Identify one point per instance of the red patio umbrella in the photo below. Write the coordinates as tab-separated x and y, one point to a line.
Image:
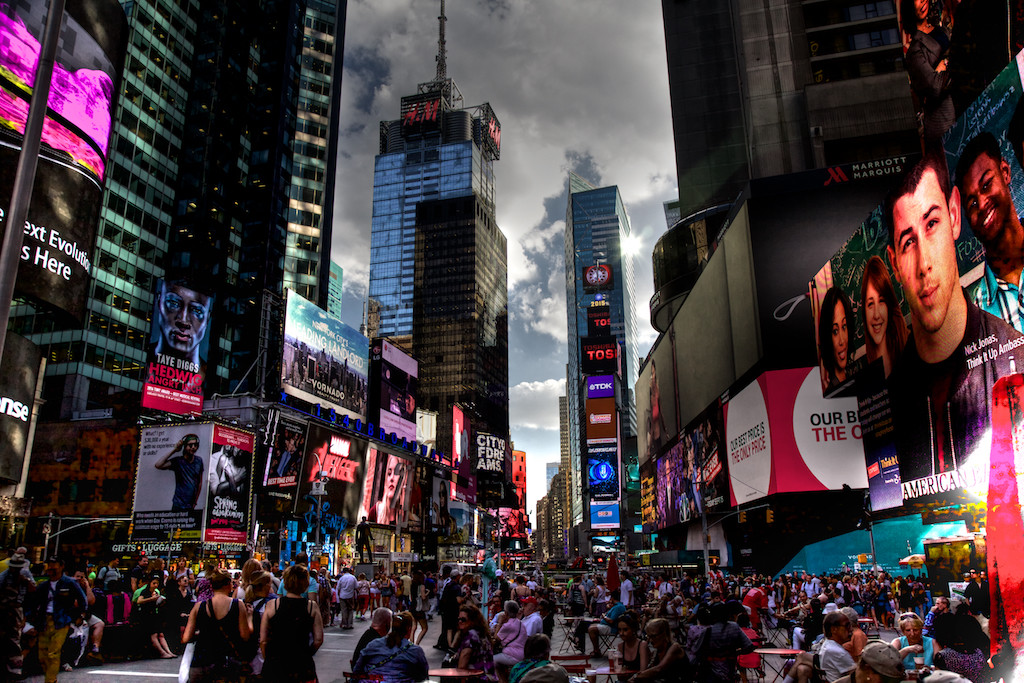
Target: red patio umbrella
612	580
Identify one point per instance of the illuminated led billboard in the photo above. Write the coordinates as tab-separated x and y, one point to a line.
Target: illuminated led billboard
179	344
324	361
61	224
393	392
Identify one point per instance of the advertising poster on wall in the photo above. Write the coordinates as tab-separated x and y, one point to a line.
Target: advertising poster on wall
941	404
61	223
171	481
693	474
463	465
395	373
945	339
441	496
284	457
465	525
387	489
229	498
21	367
657	421
512	522
492	456
426	432
975	46
341	462
781	436
179	344
604	514
648	497
324	360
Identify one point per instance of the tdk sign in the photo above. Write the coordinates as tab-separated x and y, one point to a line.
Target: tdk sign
601	386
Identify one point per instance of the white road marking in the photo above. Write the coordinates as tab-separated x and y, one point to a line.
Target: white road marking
141	674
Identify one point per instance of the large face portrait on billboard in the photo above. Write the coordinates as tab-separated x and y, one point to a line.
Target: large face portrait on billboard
178	348
171	482
931	279
324	360
387	490
463	469
60	228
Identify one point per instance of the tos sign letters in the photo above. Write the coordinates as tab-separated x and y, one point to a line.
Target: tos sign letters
599	356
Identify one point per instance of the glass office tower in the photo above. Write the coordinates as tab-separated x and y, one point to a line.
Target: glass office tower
221	165
597	225
438	261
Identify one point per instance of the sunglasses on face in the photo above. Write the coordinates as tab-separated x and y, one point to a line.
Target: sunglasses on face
463	619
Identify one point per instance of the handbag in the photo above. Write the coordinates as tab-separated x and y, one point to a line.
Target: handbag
497	646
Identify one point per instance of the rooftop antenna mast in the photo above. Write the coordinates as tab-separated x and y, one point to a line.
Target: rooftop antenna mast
451	96
442	66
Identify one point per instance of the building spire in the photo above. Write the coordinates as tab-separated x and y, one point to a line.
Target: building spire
442	66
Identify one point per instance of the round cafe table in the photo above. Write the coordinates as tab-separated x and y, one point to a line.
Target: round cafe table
455	674
612	673
783	652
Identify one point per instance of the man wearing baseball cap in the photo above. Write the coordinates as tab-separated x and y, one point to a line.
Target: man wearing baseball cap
879	663
532	621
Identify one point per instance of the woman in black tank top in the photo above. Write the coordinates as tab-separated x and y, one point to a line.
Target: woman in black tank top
220	651
291	631
633	653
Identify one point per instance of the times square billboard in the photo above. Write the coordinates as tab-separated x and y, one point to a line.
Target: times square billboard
324	361
194	480
916	318
393	378
60	227
179	347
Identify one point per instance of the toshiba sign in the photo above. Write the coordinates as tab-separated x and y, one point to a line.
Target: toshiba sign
599	356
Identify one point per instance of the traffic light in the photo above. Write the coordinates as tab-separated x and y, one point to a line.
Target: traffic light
770	516
743	516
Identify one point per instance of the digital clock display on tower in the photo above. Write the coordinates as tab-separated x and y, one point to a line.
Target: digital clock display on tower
597	277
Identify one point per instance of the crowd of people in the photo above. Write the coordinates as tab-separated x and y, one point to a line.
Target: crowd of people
261	625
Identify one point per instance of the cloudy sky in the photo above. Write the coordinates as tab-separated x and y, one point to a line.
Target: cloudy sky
576	84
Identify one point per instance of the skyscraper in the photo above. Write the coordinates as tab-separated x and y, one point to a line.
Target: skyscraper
597	226
438	269
759	91
550	470
241	196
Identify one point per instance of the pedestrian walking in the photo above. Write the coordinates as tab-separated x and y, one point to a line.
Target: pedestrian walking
221	628
291	631
55	603
347	596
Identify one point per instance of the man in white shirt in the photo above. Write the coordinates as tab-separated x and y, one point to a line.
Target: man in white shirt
532	621
808	587
626	591
665	587
833	658
346	588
